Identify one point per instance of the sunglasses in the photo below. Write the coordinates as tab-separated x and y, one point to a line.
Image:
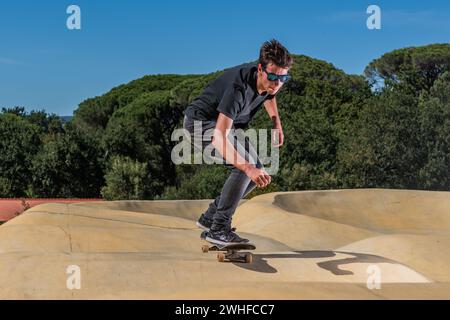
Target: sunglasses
274	77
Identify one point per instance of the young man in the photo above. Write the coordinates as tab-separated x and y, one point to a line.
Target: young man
227	103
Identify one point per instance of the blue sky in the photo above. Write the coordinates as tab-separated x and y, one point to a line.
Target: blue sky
43	65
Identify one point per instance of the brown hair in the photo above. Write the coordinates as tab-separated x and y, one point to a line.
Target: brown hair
275	52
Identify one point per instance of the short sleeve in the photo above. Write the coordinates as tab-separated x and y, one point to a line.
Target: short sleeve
231	102
270	97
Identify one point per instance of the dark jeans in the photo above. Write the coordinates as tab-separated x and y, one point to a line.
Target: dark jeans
237	185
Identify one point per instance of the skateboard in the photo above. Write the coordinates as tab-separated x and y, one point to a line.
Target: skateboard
229	252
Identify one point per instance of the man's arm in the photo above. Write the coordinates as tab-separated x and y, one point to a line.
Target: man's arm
272	110
221	142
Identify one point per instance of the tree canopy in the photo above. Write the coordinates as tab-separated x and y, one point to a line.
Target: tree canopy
387	128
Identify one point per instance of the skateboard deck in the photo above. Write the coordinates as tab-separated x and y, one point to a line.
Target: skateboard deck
229	252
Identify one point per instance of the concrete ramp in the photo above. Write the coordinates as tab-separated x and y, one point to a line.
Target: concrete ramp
336	244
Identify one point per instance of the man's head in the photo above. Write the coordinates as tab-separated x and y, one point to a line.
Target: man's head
274	64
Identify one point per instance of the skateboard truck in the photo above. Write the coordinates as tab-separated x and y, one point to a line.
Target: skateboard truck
231	252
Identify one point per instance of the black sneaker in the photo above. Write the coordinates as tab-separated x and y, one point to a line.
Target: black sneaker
224	236
204	223
205	233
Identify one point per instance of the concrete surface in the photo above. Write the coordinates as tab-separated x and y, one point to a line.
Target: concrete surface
310	245
12	207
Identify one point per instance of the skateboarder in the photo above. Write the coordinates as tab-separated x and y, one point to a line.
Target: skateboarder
230	102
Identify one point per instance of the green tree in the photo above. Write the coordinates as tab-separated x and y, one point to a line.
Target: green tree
68	165
126	179
383	148
435	129
96	112
142	131
197	182
19	143
417	66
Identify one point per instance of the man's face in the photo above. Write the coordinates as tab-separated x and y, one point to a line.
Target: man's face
272	87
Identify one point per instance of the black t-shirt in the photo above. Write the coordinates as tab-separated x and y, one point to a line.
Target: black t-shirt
233	93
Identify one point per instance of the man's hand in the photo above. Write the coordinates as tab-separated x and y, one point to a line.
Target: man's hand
258	176
277	135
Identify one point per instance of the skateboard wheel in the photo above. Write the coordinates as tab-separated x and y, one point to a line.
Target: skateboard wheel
221	257
205	248
248	258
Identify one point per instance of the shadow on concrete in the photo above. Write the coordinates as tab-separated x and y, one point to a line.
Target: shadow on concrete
260	261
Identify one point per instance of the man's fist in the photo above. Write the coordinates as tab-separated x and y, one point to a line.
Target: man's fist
258	176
